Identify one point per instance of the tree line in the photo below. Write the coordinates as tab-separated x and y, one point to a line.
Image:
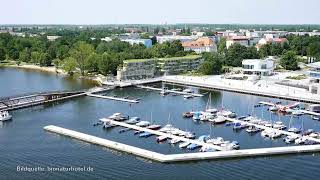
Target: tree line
79	52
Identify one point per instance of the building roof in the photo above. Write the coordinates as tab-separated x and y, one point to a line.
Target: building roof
238	38
201	42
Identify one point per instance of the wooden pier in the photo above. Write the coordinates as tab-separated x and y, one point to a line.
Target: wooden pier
170	91
170	158
112	98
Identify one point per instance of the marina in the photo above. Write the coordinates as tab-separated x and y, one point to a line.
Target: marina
181	157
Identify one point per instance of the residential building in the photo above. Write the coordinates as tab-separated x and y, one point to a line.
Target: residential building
177	65
314	74
170	38
200	45
137	69
145	42
270	40
53	38
242	40
257	67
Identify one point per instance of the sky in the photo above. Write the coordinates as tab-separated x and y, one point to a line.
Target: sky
160	11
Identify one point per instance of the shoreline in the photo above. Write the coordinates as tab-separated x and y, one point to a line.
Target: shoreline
96	78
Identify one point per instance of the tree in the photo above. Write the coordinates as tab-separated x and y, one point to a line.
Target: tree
69	65
222	45
265	51
81	53
107	65
289	61
235	54
56	62
2	54
25	55
212	63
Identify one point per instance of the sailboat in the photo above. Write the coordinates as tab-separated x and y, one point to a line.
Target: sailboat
209	109
293	129
153	126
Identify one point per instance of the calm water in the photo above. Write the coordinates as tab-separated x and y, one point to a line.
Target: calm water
23	142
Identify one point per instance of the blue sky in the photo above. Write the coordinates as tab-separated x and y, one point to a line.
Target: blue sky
160	11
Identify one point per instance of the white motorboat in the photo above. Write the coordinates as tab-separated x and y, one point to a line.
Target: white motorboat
279	125
294	130
300	140
314	135
190	135
216	141
218	120
212	110
273	108
143	123
290	139
188	90
205	116
297	112
253	129
167	128
5	116
162	138
188	96
174	141
184	144
275	134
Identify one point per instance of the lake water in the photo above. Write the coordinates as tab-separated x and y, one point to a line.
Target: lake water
23	142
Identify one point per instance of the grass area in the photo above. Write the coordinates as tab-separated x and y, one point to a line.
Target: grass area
299	77
137	60
188	57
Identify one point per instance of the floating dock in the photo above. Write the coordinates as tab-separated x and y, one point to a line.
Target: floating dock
186	156
240	90
112	98
170	91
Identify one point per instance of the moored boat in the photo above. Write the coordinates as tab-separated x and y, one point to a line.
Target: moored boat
5	116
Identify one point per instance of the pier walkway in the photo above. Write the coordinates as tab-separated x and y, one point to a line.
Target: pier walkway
158	133
112	98
171	91
185	156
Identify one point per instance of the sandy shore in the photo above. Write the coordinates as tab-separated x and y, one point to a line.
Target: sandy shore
97	78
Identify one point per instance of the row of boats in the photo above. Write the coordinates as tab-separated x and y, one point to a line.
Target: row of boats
171	134
188	92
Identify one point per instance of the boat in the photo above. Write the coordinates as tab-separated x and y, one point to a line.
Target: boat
266	133
124	130
143	123
193	146
227	113
137	132
314	135
188	96
190	135
196	115
300	140
5	116
297	112
163	92
216	141
145	134
187	115
117	117
239	125
107	125
279	125
273	108
294	130
206	149
230	146
162	138
188	90
212	110
205	116
218	120
133	120
174	141
275	134
290	139
167	128
253	129
317	118
184	144
308	132
154	126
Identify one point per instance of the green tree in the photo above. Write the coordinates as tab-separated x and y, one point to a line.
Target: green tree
222	45
235	54
69	65
25	55
2	54
289	61
81	53
212	63
265	51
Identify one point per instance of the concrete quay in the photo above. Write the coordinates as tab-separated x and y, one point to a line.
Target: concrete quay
186	156
171	91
